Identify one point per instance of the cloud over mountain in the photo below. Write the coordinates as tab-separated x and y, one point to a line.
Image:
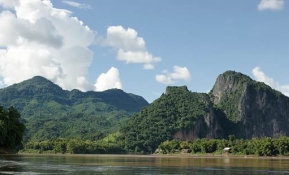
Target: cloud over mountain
34	40
179	73
262	77
108	80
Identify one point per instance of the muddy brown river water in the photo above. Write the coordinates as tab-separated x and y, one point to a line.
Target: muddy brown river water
141	165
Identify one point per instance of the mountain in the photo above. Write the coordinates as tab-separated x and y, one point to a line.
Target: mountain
236	105
177	114
254	109
50	111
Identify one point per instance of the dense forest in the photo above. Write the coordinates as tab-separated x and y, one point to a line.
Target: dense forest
178	109
49	111
11	130
76	125
265	146
111	145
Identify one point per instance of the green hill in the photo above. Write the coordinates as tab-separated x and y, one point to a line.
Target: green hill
50	111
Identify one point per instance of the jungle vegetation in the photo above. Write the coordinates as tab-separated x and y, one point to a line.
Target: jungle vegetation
11	130
111	145
49	111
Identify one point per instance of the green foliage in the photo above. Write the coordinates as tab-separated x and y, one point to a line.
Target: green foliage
50	111
11	129
257	146
282	145
265	146
169	146
75	146
111	144
178	109
79	126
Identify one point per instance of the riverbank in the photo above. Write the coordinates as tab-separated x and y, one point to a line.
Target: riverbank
200	156
7	151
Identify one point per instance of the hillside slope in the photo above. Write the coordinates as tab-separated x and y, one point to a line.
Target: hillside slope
50	111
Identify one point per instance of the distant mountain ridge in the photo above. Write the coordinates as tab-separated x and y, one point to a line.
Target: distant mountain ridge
40	91
236	105
40	101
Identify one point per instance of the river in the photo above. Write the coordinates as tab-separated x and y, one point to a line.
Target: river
140	165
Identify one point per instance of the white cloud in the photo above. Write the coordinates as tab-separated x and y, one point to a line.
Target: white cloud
179	73
108	80
271	5
77	5
38	39
131	48
260	76
164	79
8	3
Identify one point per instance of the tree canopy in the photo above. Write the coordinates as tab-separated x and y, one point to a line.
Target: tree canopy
11	129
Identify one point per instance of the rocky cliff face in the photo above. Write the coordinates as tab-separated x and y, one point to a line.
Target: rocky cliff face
253	108
239	106
206	125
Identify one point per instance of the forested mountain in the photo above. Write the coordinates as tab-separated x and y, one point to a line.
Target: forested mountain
237	105
50	111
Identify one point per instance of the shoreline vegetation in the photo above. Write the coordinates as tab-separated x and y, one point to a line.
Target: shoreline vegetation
7	151
256	147
199	156
11	130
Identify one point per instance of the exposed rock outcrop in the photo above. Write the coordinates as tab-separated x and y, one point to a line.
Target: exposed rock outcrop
255	109
206	126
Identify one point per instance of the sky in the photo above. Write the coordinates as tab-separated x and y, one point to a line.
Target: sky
144	46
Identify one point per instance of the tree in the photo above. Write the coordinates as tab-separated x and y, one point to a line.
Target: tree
282	145
11	129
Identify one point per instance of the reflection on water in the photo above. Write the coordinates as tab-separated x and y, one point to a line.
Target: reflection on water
139	165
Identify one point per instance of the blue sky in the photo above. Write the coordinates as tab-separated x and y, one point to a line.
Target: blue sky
144	46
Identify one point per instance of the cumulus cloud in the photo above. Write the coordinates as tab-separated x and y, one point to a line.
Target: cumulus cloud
8	3
38	39
108	80
130	47
261	76
271	5
77	5
179	73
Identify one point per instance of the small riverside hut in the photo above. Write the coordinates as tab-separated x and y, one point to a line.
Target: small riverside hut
227	150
